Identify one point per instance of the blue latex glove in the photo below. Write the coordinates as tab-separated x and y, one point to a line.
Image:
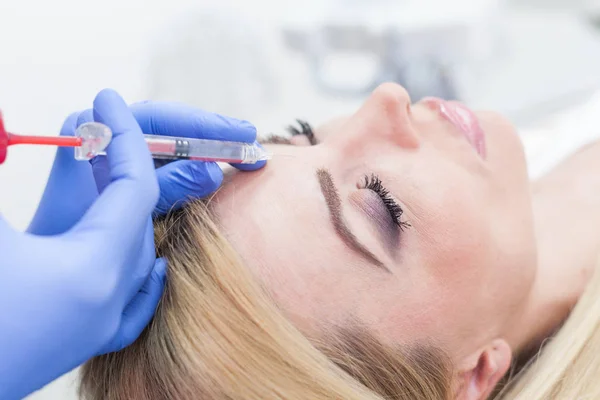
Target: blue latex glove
84	280
71	188
181	179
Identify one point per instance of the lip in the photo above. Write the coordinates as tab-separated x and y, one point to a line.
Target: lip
463	119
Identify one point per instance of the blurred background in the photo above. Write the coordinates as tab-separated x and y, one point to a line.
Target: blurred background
536	61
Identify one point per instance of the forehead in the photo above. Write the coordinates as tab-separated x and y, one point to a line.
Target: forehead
278	221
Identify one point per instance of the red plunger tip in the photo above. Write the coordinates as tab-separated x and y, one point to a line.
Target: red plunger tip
3	140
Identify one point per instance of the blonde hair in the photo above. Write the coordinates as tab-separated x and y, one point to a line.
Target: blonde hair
218	335
568	367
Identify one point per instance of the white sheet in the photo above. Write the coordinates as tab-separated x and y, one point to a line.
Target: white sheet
560	136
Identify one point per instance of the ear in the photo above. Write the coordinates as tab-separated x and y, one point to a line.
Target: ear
483	370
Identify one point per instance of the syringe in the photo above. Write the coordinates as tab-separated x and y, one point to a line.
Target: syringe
92	138
96	137
205	150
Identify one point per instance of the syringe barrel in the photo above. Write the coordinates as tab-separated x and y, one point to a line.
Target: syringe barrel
166	147
95	137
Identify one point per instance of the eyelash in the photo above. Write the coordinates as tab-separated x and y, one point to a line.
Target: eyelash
305	129
374	183
370	182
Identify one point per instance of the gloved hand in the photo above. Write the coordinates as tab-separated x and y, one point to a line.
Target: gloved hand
78	283
181	180
71	188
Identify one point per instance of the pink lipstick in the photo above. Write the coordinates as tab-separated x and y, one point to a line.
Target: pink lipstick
463	119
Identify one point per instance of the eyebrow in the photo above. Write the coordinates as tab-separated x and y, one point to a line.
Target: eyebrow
334	204
275	139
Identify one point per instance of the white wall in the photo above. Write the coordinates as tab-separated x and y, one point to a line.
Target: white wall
54	56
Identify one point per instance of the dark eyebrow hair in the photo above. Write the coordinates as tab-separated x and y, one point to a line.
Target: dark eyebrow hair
334	204
274	139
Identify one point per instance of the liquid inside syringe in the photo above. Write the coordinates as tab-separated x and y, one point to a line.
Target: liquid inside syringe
205	150
96	137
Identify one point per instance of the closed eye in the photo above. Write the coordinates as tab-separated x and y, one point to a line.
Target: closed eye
374	183
303	129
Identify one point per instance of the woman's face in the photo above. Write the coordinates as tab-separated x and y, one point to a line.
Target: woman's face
412	220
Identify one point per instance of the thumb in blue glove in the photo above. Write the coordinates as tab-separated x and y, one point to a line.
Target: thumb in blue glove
65	295
74	185
182	180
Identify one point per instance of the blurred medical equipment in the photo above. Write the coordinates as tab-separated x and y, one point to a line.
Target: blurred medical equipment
326	56
353	46
520	62
92	138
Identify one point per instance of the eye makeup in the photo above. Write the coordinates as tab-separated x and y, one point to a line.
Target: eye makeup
374	184
334	204
369	204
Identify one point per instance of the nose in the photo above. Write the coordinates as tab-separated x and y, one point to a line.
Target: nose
391	99
384	117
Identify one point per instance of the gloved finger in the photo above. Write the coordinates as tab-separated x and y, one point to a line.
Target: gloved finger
144	259
174	119
84	117
139	312
99	164
101	170
6	230
124	206
9	241
183	180
250	167
69	192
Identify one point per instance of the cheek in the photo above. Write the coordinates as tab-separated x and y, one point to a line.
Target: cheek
310	277
454	255
457	253
451	233
443	276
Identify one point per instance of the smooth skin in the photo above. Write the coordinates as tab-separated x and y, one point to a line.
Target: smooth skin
460	276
